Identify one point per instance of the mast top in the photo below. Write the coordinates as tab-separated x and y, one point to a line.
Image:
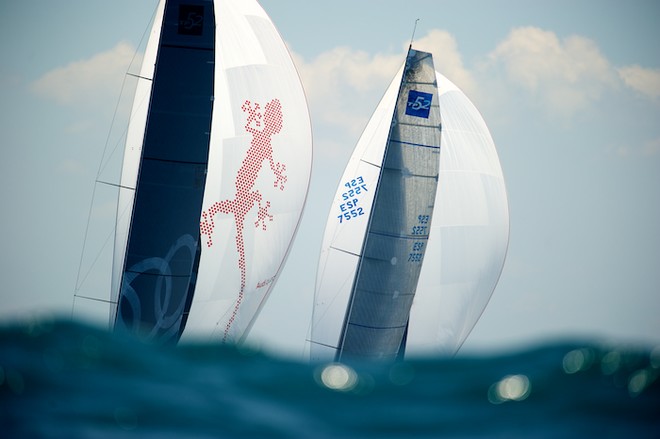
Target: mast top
413	34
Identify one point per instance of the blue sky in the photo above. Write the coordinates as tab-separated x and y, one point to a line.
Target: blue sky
569	89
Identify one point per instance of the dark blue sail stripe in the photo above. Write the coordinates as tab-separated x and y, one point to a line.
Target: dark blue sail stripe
163	248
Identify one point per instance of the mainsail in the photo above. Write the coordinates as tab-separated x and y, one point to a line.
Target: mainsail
215	174
417	233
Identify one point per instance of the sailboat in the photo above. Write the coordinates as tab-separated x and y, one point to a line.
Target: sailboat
215	175
417	233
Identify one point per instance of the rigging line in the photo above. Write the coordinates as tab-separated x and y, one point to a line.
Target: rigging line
115	185
344	251
369	163
80	282
321	344
413	34
101	164
139	76
123	85
95	299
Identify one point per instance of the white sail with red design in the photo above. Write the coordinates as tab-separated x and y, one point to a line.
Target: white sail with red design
216	170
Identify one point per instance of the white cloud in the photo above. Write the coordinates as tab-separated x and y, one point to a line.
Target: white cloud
645	81
447	59
565	75
343	85
86	81
650	148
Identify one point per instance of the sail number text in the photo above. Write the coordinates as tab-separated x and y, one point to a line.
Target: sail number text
417	252
351	198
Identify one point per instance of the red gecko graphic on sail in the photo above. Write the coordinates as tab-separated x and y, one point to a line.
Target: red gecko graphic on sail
262	126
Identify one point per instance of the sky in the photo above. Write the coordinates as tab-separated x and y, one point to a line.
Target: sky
570	90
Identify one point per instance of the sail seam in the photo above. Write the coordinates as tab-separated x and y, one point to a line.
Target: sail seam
156	159
414	144
392	235
417	125
158	274
181	46
377	327
432	177
419	83
375	292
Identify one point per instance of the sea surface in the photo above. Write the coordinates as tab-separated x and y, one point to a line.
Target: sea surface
60	379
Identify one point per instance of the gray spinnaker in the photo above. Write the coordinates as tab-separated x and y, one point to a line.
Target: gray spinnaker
467	239
399	224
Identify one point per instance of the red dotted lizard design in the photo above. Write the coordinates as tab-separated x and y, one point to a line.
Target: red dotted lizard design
262	126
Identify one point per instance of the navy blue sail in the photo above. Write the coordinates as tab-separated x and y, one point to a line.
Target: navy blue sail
162	252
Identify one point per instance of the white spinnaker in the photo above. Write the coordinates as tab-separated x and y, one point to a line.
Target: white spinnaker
469	234
132	154
253	66
467	243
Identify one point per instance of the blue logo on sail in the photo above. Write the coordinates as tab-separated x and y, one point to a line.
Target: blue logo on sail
419	104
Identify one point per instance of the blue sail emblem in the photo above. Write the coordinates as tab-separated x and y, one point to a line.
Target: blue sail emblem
419	104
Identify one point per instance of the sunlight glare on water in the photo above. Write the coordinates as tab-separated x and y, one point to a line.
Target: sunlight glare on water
577	360
510	388
337	376
610	362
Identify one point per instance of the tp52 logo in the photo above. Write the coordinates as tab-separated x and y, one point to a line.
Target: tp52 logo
419	104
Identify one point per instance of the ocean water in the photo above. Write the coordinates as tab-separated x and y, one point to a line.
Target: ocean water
60	379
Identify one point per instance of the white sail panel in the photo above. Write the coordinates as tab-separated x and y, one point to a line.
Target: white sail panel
258	173
469	234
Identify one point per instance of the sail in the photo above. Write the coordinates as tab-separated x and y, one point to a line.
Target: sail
466	236
215	175
392	209
469	233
